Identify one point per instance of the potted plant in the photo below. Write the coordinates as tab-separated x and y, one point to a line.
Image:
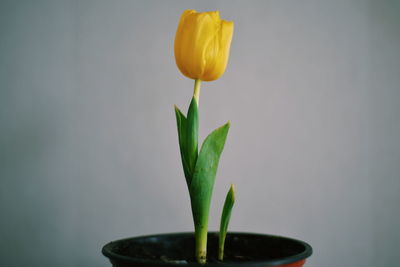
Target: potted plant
202	46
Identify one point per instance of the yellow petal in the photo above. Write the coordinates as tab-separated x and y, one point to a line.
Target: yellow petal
179	45
220	52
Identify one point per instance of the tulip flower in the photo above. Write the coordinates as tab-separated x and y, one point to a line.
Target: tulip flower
202	46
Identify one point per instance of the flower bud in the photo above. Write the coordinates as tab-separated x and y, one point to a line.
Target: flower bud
202	45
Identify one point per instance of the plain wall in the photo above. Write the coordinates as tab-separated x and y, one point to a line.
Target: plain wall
88	141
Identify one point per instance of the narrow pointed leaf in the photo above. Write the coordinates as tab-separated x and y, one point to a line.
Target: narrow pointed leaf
192	134
225	217
203	180
181	125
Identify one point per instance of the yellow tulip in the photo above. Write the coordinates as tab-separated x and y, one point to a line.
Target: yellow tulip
202	45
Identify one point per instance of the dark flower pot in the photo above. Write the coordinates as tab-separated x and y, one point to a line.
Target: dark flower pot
177	249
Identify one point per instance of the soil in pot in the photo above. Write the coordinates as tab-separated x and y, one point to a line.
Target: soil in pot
241	249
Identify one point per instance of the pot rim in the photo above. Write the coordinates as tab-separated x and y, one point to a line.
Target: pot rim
107	251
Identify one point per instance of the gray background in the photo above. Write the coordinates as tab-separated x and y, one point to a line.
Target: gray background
88	148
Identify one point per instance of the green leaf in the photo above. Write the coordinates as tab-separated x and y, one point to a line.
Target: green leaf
192	135
203	179
181	125
225	217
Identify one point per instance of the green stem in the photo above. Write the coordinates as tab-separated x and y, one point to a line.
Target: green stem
200	228
196	93
201	243
221	248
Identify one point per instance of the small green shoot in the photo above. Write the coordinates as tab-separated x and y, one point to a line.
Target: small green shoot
225	217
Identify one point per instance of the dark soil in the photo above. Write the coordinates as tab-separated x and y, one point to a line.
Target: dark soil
180	248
